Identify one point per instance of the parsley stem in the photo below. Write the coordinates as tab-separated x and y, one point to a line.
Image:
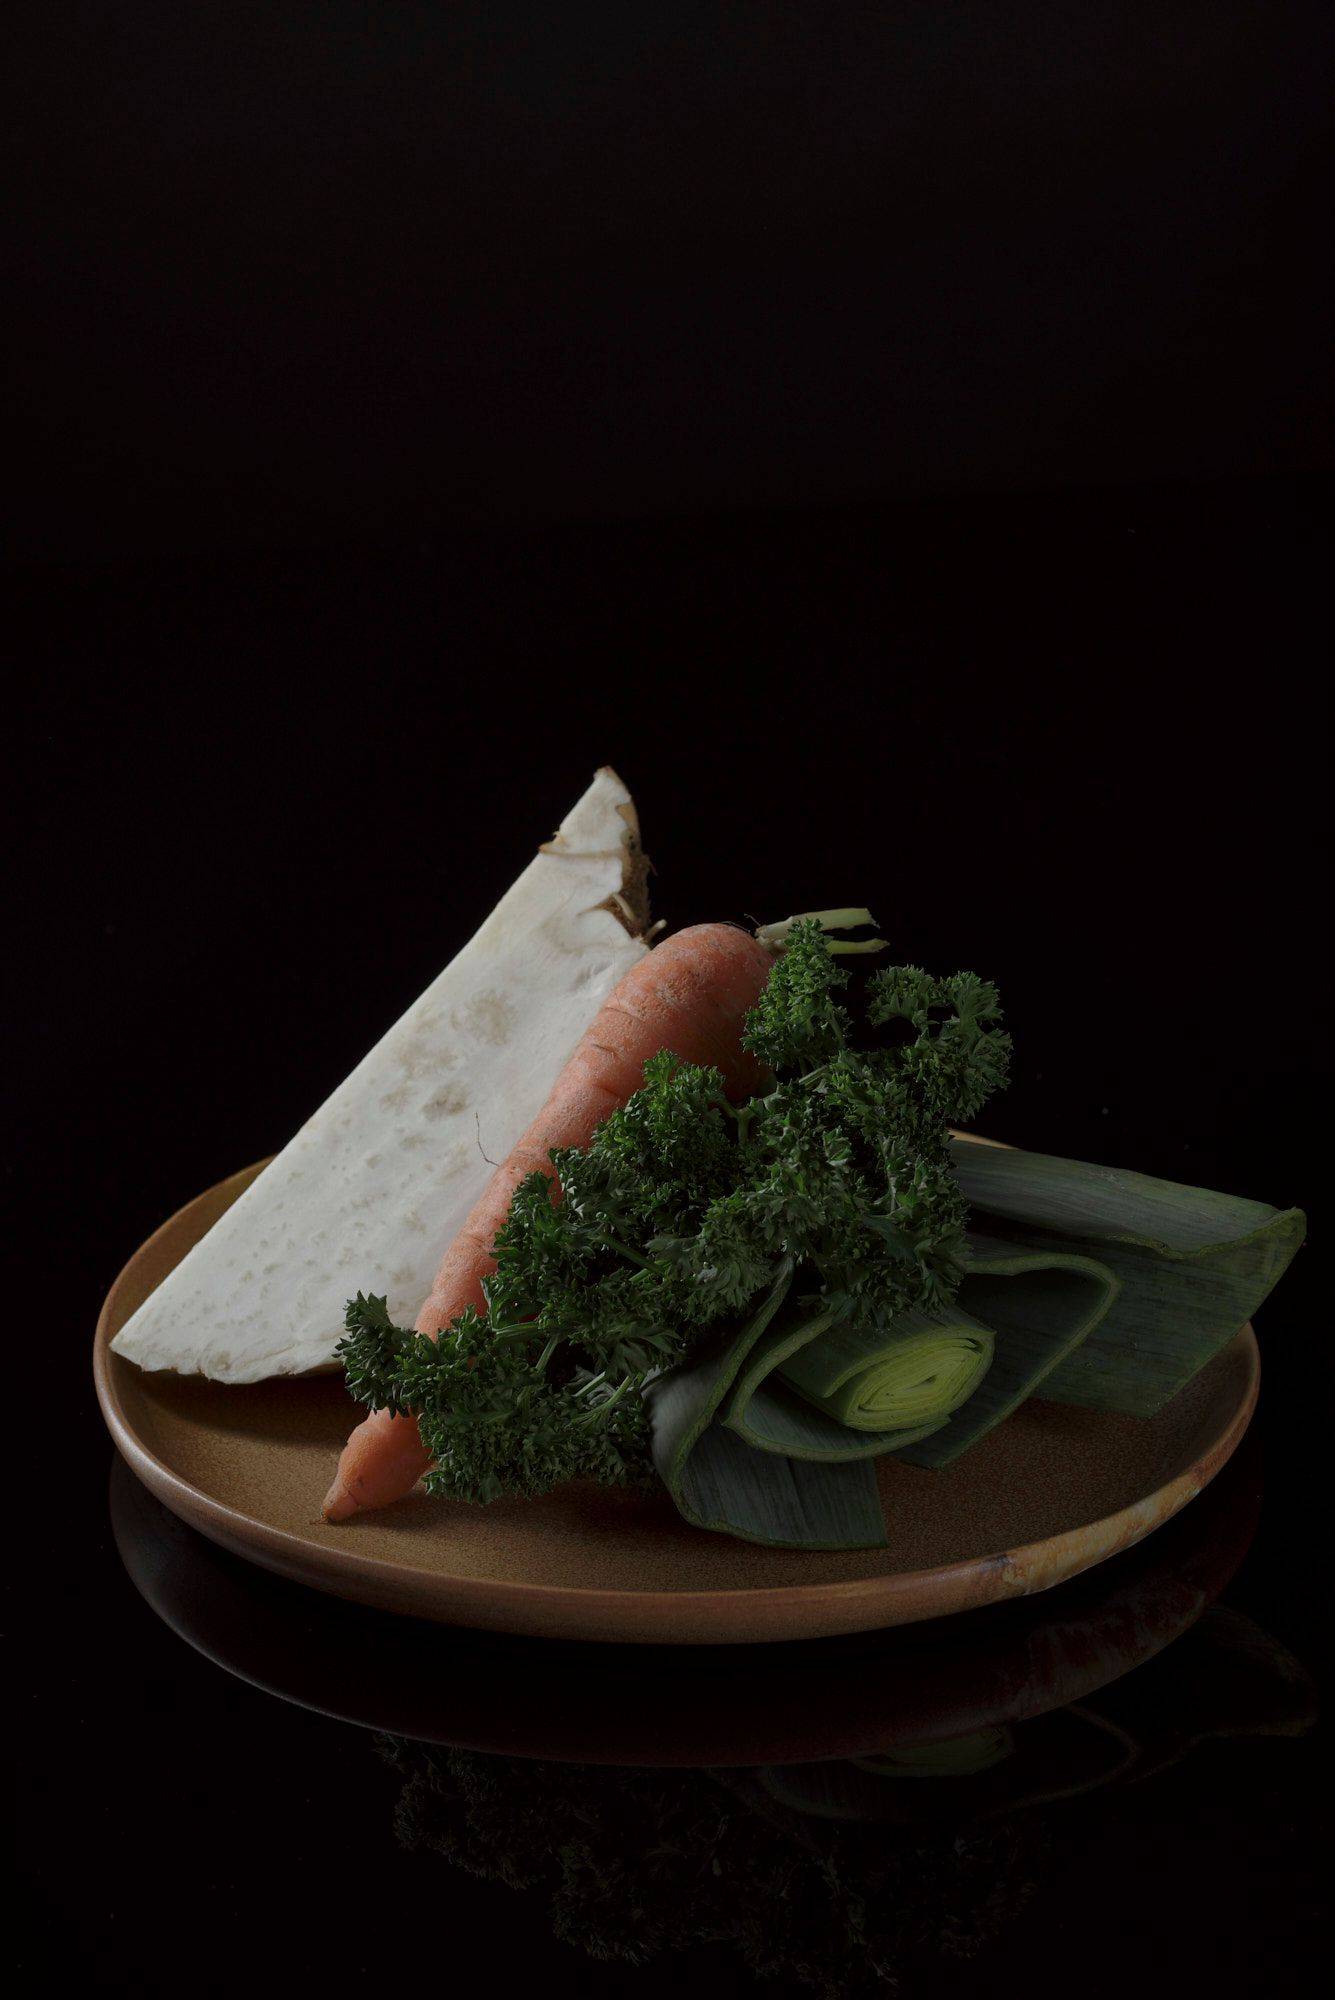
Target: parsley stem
740	1114
599	1410
624	1250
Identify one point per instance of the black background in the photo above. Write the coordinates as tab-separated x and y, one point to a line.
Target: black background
303	273
896	444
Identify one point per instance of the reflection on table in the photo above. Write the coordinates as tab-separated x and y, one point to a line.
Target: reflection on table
837	1811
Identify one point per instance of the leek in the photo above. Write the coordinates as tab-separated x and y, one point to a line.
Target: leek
1191	1265
1042	1305
922	1372
786	1499
744	1450
956	1757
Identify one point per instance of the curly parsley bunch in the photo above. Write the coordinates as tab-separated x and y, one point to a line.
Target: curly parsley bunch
678	1215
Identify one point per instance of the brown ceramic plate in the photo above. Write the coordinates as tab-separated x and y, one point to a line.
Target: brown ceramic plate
1047	1494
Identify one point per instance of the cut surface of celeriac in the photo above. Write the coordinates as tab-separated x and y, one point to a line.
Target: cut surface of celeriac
375	1186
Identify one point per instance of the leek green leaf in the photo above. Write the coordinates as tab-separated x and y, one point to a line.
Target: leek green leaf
766	1411
1192	1265
744	1449
1041	1304
717	1481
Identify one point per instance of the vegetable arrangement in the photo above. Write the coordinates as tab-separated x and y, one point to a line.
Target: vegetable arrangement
740	1248
690	996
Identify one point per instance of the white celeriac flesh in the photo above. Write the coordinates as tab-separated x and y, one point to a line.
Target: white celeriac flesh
375	1186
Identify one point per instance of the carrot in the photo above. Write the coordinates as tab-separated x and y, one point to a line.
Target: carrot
690	995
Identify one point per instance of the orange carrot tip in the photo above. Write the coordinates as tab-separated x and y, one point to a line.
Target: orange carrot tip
339	1504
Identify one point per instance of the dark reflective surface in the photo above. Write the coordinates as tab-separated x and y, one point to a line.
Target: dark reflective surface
875	1814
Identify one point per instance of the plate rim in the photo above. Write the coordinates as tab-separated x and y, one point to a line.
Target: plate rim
852	1603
